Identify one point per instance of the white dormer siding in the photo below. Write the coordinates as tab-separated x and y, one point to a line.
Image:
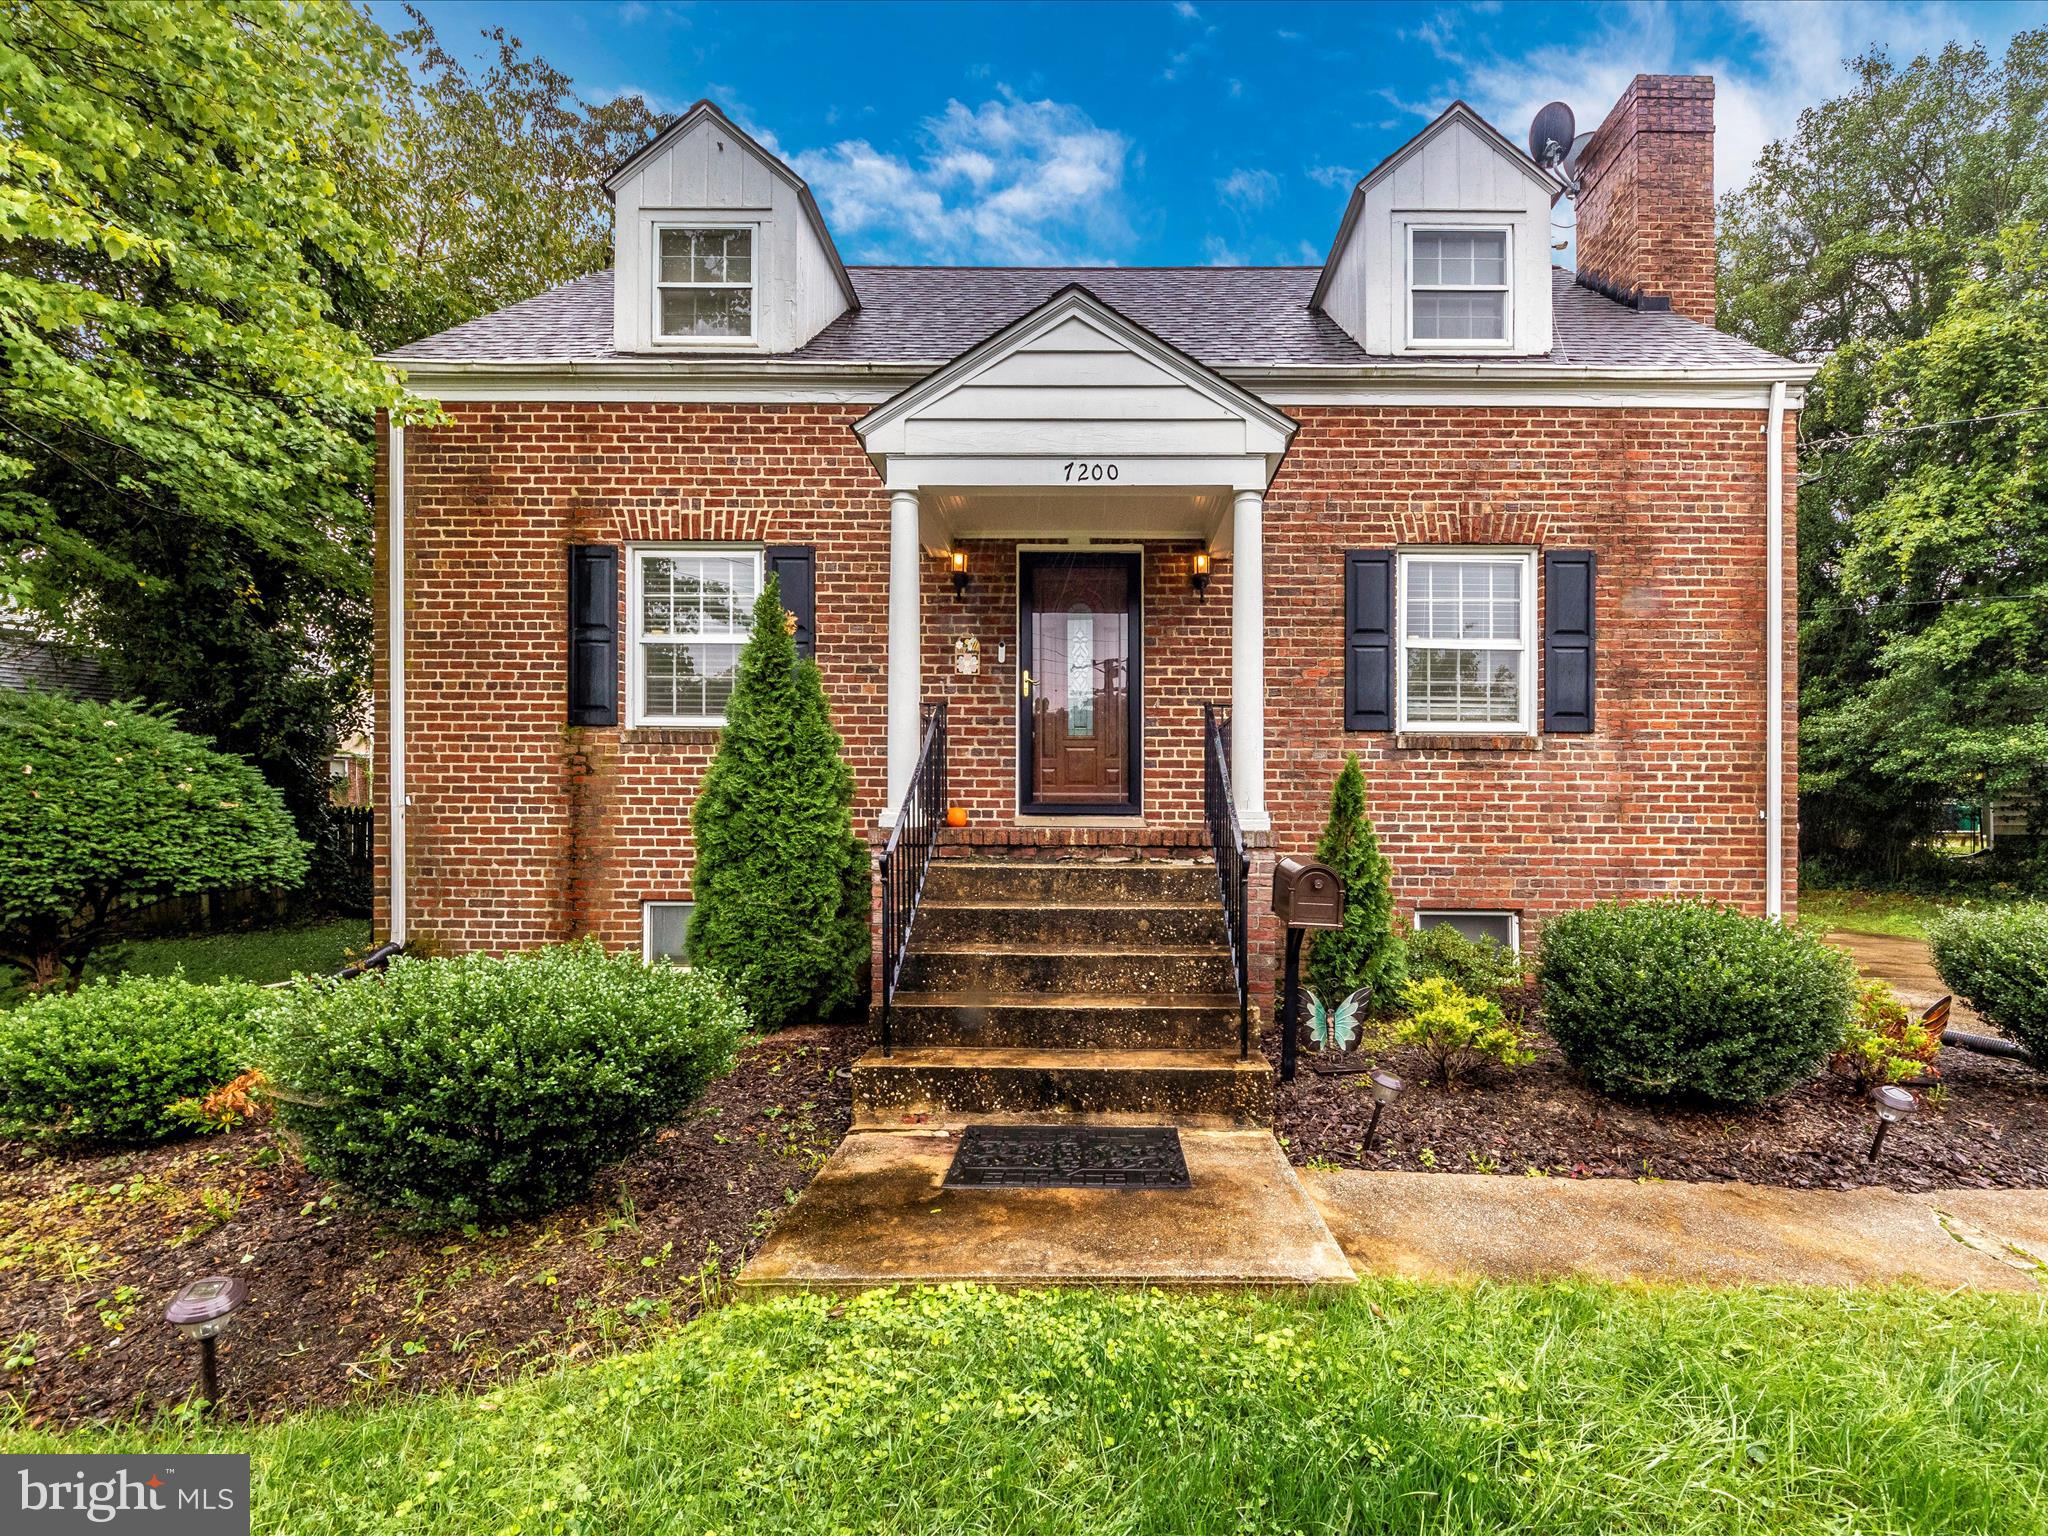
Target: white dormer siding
702	173
1458	176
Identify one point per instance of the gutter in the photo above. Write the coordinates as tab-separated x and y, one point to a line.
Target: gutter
1774	651
396	723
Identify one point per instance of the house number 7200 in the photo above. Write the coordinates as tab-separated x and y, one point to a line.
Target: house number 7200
1077	471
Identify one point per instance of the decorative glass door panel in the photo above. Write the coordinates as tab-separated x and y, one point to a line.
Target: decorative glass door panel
1078	696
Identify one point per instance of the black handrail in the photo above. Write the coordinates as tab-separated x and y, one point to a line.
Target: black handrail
1233	870
908	854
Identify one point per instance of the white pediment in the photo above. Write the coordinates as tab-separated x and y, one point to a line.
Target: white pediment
1075	386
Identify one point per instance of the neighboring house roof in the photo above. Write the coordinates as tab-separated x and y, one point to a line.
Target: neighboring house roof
682	124
1223	317
29	661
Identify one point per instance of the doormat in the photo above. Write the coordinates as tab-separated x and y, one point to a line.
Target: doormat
1068	1157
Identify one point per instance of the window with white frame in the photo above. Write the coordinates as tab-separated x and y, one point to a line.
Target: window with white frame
1457	287
690	610
1466	659
704	284
1503	928
664	925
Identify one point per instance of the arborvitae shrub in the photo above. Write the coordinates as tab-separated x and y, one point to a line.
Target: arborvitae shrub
1365	952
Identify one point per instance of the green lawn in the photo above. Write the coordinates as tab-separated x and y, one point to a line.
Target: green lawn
1896	914
260	954
1399	1408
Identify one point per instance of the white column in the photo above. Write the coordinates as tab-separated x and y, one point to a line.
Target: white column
1774	652
906	652
395	722
1248	661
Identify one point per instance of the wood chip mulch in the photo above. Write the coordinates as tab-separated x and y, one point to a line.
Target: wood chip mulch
344	1306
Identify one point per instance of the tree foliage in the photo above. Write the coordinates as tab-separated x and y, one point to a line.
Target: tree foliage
1365	952
782	883
102	805
1859	235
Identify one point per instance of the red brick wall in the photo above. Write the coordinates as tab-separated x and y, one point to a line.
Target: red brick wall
1645	208
524	831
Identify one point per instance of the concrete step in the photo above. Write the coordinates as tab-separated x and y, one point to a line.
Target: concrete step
948	1085
1070	883
1054	1023
1032	923
1071	971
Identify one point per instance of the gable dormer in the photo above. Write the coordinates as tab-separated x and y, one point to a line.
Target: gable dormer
718	246
1445	248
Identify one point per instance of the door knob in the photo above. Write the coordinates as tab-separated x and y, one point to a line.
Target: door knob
1024	681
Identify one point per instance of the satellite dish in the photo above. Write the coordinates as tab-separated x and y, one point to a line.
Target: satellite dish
1571	159
1550	136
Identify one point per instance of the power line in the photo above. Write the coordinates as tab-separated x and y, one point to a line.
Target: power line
1824	444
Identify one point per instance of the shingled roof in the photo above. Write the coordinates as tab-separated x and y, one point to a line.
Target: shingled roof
1222	316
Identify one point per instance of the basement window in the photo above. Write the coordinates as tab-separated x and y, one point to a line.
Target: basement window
704	284
1457	288
1503	928
663	927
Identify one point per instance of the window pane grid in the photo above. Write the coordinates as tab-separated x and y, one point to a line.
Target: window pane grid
704	280
695	608
1463	647
1458	283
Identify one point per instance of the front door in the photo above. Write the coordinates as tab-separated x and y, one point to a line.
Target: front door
1078	687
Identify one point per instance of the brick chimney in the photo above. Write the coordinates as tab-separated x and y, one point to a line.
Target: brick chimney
1646	198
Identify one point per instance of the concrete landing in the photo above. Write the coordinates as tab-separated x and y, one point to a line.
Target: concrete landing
1456	1226
875	1215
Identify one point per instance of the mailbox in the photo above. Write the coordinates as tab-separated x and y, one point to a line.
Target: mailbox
1307	894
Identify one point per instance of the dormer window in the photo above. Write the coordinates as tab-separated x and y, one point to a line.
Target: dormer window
704	283
1458	288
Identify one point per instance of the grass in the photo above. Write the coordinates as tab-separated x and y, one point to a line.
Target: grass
257	954
1895	914
1570	1408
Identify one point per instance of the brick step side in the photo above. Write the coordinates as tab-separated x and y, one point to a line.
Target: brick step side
941	1085
1053	1023
1080	883
1034	924
1071	972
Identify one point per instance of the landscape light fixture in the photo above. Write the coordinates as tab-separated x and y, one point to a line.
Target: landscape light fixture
1892	1105
1200	579
202	1311
1385	1089
957	559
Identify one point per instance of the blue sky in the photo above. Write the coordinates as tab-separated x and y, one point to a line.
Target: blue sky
1161	132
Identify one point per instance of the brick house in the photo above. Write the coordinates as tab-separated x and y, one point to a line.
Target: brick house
1513	534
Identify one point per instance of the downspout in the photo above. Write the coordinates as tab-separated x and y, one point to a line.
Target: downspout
1774	652
395	597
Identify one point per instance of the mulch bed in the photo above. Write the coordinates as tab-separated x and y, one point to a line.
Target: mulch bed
1986	1127
343	1305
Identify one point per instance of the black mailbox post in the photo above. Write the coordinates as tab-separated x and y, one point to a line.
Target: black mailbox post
1305	895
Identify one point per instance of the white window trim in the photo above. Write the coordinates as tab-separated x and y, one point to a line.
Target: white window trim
1514	920
1454	554
655	286
636	554
1506	288
647	955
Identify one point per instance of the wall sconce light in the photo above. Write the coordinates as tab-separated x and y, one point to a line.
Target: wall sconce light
1200	579
1385	1089
202	1311
1892	1105
957	559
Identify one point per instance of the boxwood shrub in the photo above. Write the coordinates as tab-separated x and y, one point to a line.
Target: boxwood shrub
1996	960
104	1063
483	1086
1688	999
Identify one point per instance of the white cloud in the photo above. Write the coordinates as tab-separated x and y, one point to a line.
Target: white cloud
1185	11
1009	181
1788	56
1334	175
1249	189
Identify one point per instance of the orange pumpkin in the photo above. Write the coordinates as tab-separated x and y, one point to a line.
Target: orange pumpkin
956	816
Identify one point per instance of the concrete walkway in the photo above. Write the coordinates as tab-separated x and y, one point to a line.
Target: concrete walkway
1909	967
1456	1226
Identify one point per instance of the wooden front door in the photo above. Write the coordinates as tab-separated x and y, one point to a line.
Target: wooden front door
1078	687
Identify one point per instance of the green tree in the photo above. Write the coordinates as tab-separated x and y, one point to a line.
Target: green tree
781	882
105	805
1365	952
1854	236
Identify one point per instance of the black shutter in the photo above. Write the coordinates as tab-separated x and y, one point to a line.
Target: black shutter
796	565
1568	640
593	634
1369	640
